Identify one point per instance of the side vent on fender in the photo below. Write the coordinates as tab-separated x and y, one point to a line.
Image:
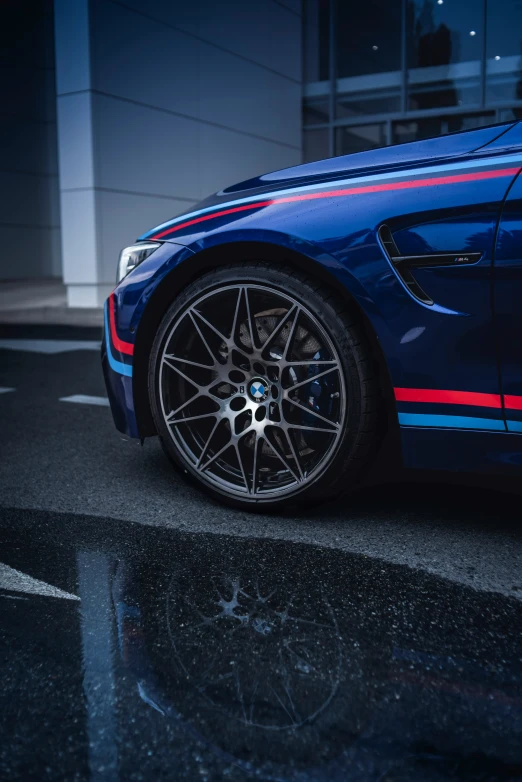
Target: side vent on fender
402	270
403	264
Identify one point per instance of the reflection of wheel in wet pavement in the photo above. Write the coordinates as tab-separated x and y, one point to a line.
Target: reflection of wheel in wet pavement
267	656
257	648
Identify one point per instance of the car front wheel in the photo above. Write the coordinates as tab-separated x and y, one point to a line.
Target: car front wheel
262	388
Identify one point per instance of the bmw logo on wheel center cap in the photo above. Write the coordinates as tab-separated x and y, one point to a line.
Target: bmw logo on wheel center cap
258	389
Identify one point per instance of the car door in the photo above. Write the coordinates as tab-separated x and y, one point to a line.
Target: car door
507	296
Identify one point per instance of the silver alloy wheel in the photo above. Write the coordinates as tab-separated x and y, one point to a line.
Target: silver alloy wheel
252	391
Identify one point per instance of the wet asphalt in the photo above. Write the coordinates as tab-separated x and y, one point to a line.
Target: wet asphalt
147	632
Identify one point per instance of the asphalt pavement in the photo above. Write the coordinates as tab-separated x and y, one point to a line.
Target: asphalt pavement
148	632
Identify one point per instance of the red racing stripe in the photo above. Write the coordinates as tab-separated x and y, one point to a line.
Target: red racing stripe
513	402
412	183
119	344
448	397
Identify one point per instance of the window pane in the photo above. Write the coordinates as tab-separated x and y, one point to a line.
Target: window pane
503	50
316	49
374	101
360	138
368	36
315	111
315	145
444	42
506	115
470	121
416	129
435	126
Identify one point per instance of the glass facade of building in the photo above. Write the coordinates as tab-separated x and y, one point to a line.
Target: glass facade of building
387	71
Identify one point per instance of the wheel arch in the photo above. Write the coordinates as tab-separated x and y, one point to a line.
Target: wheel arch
224	255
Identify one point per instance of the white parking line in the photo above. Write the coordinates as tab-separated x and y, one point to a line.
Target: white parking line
85	399
48	346
16	581
4	390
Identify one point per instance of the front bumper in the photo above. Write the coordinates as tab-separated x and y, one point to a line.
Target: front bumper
123	315
117	371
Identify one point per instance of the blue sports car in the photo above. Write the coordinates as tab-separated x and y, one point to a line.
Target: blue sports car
276	334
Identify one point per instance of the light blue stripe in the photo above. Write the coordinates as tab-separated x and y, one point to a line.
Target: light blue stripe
514	426
414	172
450	421
117	366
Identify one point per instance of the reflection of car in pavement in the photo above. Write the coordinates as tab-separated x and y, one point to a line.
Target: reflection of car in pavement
277	332
252	672
295	678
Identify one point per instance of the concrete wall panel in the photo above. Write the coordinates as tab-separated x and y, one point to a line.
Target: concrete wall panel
160	112
75	131
31	253
143	150
143	60
72	41
231	158
79	237
173	156
265	32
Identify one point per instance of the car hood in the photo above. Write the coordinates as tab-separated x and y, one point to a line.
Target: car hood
360	163
380	160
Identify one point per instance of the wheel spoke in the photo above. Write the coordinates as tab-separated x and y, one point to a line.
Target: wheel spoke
283	460
188	401
182	374
312	412
170	357
210	326
251	326
311	379
288	426
236	316
308	363
205	447
280	326
294	453
198	329
216	455
254	468
190	418
240	460
291	335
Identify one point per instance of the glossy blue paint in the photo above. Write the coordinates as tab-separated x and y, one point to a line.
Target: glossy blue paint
117	366
508	292
459	450
440	195
120	394
449	421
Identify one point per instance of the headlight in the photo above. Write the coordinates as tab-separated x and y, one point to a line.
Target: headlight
130	257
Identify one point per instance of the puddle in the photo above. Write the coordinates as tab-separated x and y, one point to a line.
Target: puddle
212	657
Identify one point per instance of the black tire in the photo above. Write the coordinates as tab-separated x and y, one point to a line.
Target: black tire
356	367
